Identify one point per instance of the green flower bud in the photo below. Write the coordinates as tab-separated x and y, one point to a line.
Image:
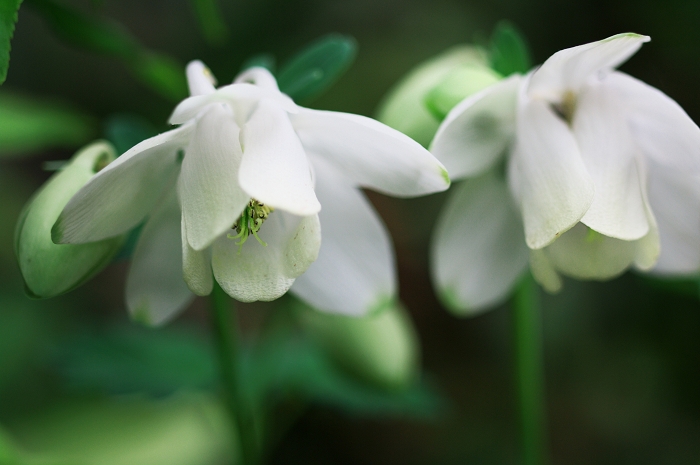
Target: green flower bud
51	269
457	85
404	107
381	348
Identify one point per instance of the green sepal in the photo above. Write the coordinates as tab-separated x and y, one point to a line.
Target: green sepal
8	19
380	348
509	51
317	67
457	85
50	269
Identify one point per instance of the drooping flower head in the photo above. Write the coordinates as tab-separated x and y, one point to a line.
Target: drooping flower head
587	153
251	170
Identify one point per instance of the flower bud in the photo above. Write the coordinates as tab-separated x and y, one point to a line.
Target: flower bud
51	269
457	85
381	348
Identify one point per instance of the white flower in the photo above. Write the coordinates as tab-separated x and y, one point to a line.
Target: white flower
601	173
241	150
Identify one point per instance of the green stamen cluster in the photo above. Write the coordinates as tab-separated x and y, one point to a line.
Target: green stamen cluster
253	216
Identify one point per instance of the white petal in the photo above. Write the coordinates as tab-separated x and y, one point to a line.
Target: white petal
199	79
241	98
585	254
547	175
267	272
675	200
258	76
479	251
196	266
210	197
371	153
661	128
648	248
478	130
275	169
155	290
610	155
568	69
543	271
122	194
354	271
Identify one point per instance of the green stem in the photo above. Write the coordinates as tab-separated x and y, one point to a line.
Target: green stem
529	371
226	334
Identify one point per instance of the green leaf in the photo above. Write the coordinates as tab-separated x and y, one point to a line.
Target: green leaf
124	130
509	51
52	269
210	21
317	67
8	19
105	37
28	125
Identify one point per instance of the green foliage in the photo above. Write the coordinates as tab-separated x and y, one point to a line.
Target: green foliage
30	125
263	60
124	130
210	21
317	67
8	19
157	71
509	51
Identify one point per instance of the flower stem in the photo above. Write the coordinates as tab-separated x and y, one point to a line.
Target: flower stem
529	371
226	334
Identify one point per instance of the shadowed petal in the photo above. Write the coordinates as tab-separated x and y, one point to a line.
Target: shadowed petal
196	266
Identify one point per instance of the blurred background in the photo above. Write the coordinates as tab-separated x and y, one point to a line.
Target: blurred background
622	357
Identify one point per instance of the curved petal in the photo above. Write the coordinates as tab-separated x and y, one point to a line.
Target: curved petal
371	153
210	196
585	254
547	175
569	69
266	272
543	271
675	200
155	290
478	252
354	271
661	128
240	97
275	169
122	194
199	79
609	154
260	77
478	130
196	266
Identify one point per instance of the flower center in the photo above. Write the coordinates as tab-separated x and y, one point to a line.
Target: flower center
565	108
253	216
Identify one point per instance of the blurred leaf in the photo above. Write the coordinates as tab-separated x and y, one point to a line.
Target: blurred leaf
509	51
8	19
317	67
124	130
457	85
686	286
28	125
264	60
157	71
133	359
210	21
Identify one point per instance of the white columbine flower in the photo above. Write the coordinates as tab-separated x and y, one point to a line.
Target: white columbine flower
252	171
578	169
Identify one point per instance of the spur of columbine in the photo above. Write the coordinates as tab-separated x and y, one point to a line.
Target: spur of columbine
576	168
247	161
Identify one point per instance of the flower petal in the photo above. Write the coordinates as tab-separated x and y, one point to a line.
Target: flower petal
199	79
543	271
585	254
122	194
371	153
547	174
354	272
569	69
155	290
210	197
260	77
610	157
275	169
675	200
196	266
478	130
479	251
267	272
661	128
